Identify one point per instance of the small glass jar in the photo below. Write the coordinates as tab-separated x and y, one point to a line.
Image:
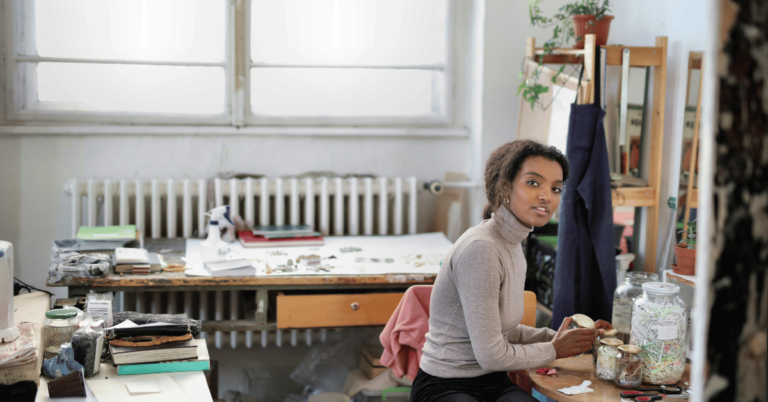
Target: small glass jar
58	328
608	359
607	334
659	324
629	373
581	321
625	293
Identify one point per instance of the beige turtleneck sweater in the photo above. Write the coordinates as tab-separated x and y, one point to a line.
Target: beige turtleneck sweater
477	306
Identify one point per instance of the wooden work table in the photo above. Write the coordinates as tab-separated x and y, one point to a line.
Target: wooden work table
280	300
574	371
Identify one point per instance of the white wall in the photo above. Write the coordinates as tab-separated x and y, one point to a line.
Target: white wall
33	168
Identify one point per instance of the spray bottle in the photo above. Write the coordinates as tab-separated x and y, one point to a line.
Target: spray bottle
225	225
213	248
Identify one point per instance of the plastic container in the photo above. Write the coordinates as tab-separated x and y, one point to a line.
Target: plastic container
630	370
58	328
607	334
659	324
398	394
608	359
625	293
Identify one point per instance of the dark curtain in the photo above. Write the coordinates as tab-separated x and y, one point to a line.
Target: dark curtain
585	267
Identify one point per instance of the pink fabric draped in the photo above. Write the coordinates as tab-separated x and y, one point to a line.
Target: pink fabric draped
403	336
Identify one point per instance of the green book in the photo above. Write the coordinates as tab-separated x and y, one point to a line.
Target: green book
125	232
169	367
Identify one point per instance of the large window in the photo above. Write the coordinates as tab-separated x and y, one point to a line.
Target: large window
257	62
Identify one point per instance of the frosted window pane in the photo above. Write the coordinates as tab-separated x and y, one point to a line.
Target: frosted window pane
131	88
155	30
349	32
342	92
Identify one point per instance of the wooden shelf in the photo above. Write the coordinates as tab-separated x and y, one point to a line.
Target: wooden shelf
633	197
639	56
693	199
686	279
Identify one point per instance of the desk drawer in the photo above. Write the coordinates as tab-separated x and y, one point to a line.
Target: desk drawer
335	310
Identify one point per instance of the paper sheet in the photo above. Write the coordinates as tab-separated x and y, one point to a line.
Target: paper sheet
142	387
410	254
583	388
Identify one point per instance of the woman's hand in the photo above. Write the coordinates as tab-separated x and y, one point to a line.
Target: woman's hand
571	342
602	325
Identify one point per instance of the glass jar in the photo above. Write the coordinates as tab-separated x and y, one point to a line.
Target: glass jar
625	293
607	334
608	359
659	323
629	374
58	328
581	321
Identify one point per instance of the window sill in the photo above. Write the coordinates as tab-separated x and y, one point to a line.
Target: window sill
64	129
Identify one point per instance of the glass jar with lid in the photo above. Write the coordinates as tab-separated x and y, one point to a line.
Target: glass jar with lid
607	334
625	293
581	321
659	324
608	359
629	373
58	328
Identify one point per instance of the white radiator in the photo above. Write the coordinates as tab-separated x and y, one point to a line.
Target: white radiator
335	206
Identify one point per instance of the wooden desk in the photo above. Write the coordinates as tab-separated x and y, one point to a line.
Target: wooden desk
378	294
28	307
573	371
191	386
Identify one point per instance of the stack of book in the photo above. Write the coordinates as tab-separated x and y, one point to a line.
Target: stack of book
280	235
156	348
137	261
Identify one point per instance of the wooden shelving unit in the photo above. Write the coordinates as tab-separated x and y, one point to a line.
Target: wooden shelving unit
640	56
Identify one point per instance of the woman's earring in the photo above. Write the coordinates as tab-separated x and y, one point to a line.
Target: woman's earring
506	200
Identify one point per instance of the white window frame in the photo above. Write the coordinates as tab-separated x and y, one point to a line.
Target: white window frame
19	23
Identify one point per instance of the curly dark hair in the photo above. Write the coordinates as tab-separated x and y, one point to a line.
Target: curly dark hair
504	164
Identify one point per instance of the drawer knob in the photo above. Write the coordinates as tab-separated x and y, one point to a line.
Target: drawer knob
355	306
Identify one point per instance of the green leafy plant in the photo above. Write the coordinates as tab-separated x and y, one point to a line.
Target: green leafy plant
562	33
690	234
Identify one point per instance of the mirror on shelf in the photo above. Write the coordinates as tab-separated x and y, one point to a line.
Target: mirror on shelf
628	142
689	161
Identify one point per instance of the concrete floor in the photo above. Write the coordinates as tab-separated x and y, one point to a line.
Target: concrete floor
264	373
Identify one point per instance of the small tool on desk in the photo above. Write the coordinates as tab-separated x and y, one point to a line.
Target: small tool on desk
663	389
637	394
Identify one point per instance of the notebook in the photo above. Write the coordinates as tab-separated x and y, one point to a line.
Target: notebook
153	354
249	240
241	267
202	362
110	233
281	229
131	256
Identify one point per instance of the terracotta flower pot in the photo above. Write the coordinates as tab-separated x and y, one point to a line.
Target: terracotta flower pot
582	27
686	257
683	271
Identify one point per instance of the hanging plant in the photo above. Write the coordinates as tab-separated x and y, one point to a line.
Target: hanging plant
573	21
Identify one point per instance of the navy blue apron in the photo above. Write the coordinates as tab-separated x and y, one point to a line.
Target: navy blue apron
585	267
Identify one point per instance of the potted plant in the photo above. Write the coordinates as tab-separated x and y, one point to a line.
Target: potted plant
685	251
574	20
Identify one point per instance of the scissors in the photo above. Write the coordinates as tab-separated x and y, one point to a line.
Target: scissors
663	389
640	396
